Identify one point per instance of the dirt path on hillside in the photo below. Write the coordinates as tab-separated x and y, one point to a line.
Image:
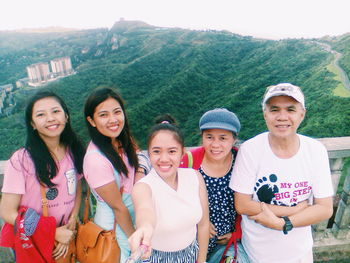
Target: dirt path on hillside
337	56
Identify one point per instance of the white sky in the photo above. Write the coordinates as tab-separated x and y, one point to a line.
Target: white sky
259	18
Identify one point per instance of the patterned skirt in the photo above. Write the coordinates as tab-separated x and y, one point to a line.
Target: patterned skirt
186	255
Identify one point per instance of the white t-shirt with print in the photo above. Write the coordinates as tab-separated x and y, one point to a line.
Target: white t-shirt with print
286	182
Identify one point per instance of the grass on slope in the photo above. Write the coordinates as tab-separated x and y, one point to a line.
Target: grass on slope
340	90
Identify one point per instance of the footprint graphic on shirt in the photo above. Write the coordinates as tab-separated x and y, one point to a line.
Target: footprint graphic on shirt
266	189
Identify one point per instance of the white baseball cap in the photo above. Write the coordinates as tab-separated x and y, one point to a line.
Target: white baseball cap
284	89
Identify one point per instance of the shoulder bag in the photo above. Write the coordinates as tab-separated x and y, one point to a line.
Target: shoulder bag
94	244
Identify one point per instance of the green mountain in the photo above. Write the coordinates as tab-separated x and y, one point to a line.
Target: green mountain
181	72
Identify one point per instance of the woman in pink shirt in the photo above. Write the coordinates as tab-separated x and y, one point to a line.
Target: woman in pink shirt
52	157
110	162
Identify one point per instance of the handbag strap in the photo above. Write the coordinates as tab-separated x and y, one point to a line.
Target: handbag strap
87	208
44	202
233	240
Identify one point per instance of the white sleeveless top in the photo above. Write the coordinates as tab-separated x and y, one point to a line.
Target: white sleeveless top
177	212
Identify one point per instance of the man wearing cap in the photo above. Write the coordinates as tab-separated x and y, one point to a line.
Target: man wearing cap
282	183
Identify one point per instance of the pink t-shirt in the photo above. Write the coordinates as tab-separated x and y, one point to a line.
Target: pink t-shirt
20	178
99	171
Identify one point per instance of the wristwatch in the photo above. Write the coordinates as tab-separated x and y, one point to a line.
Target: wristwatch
288	226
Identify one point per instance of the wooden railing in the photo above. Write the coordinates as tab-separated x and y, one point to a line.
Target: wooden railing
332	237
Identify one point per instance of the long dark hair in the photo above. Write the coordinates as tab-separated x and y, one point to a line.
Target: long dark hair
45	165
104	143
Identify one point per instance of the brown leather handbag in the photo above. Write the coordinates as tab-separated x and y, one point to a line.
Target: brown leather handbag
94	244
71	255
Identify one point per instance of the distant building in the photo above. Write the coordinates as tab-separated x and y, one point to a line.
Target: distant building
2	98
61	67
84	50
7	88
38	73
4	90
22	82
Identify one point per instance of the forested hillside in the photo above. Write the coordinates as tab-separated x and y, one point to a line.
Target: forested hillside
181	72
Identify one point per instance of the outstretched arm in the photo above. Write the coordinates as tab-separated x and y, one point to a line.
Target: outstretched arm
145	218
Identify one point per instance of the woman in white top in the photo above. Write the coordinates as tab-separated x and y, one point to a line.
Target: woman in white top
171	203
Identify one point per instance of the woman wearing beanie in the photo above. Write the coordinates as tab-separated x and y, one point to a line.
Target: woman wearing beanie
214	160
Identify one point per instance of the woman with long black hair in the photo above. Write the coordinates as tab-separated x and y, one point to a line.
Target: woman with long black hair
51	158
110	163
